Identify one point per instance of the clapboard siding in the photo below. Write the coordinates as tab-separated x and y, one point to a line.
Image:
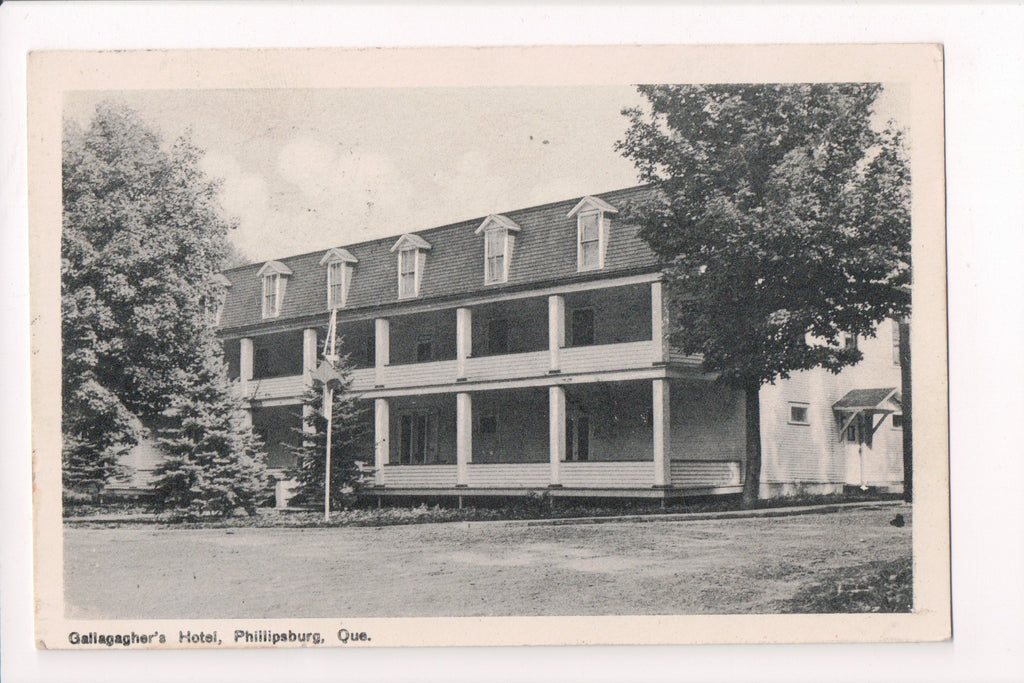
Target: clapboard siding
363	379
418	374
277	387
419	476
694	361
607	474
606	357
508	366
705	473
506	475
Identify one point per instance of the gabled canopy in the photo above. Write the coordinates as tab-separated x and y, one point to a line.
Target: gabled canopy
338	254
497	221
594	204
410	241
274	267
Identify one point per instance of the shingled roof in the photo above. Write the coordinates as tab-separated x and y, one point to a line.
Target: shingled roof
545	252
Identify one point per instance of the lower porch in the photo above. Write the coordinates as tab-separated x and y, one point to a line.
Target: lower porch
641	439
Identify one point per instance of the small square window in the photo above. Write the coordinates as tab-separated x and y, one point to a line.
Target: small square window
799	414
897	421
850	342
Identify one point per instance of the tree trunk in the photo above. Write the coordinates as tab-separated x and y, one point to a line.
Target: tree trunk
908	430
752	478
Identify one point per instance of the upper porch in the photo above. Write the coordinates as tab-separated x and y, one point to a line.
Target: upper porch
605	330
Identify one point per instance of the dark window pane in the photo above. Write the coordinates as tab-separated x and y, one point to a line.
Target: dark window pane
583	327
405	440
424	351
497	336
583	438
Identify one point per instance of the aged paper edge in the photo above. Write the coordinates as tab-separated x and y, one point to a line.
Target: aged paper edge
918	66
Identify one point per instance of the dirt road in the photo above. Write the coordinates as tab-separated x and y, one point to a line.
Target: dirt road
479	569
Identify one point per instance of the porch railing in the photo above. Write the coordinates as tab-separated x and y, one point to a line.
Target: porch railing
605	357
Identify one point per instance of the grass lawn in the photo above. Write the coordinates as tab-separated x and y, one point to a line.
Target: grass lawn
721	566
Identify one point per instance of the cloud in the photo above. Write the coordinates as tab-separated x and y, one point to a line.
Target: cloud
243	195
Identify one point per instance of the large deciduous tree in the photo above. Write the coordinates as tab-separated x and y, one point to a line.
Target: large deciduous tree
142	237
781	216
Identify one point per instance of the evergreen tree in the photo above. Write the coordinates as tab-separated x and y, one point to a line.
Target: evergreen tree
142	236
782	219
214	462
348	443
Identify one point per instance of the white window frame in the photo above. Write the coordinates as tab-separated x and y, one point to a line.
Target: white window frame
806	407
502	236
601	230
275	310
415	254
342	270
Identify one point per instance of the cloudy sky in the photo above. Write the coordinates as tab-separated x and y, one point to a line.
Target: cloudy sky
305	170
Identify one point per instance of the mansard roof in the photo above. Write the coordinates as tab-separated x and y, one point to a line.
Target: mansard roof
545	254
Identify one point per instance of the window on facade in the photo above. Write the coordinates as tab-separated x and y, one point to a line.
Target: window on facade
799	414
488	424
414	439
335	284
407	260
497	336
424	350
494	247
897	421
589	241
850	341
370	350
577	438
853	432
581	329
271	295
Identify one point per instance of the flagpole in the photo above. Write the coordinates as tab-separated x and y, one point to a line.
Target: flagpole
329	357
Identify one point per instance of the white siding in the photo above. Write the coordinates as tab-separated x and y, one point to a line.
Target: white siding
705	473
277	387
419	476
507	475
419	374
708	422
813	453
507	366
604	357
607	474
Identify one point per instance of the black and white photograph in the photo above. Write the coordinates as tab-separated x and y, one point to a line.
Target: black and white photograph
337	357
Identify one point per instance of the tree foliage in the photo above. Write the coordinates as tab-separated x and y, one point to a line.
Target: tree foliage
348	443
142	236
214	462
781	216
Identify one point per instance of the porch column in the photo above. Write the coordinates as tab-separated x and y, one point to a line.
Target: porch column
463	339
382	348
556	431
556	329
381	436
661	414
308	354
463	436
245	365
658	339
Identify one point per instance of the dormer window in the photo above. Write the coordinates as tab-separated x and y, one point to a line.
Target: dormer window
499	235
339	264
274	274
592	224
412	255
